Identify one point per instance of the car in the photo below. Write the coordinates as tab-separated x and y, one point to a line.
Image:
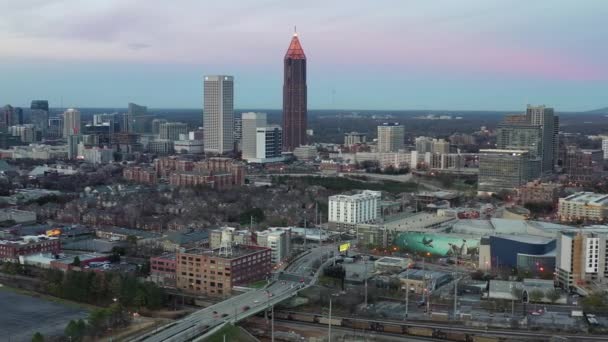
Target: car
224	315
246	307
256	301
215	312
301	280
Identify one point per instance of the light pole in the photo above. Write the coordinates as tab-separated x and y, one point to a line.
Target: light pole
329	321
272	324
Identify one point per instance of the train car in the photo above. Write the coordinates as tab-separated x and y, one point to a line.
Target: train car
282	315
355	324
304	318
419	331
334	321
394	328
456	336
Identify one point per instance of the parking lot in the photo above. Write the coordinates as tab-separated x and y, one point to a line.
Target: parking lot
24	315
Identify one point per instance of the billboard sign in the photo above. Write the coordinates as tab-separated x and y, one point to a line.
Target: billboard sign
344	247
443	245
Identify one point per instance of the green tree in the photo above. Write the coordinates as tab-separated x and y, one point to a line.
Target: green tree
37	337
596	302
76	261
517	293
554	295
536	296
98	320
72	331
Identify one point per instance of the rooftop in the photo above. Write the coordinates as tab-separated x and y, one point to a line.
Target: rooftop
589	198
295	50
421	274
237	251
128	231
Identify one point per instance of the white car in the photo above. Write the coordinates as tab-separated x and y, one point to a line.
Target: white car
256	301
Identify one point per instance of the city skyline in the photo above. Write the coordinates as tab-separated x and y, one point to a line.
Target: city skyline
470	55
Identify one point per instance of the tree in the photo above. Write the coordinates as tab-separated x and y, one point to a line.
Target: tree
596	302
536	295
517	293
554	295
75	330
37	337
76	261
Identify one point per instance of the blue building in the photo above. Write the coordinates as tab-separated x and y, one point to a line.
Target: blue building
533	253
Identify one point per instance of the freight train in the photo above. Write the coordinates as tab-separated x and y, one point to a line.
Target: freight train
392	328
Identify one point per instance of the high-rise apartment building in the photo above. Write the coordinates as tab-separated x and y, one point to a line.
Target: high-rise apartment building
156	125
605	147
71	122
583	165
172	130
218	114
278	240
39	115
423	144
294	96
505	170
391	137
544	118
354	138
6	119
582	260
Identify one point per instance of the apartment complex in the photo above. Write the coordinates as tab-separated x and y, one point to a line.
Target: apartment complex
172	130
584	206
582	165
71	122
539	193
214	272
391	137
505	169
345	211
582	259
218	115
354	138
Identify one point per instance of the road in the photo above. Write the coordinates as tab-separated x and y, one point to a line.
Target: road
244	305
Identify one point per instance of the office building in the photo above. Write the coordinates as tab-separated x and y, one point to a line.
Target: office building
136	119
391	137
440	146
250	123
583	206
354	138
237	237
505	170
215	272
305	152
605	147
156	125
582	260
583	165
172	130
71	122
218	114
238	132
6	119
279	242
12	250
268	145
424	145
188	146
39	115
161	146
54	129
537	192
520	137
26	133
345	211
544	118
295	106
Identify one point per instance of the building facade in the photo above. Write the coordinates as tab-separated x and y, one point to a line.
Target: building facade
215	273
71	122
172	130
505	170
349	210
582	260
295	107
583	206
279	242
391	137
218	114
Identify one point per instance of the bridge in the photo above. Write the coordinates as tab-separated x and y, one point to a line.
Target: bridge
204	322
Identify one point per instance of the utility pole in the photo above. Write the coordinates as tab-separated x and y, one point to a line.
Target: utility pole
329	321
272	324
365	261
407	293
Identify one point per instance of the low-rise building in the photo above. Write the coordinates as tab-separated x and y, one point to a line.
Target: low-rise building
392	264
230	234
346	211
583	206
122	234
188	146
305	152
140	175
214	272
278	240
11	250
163	270
537	192
17	216
423	281
173	241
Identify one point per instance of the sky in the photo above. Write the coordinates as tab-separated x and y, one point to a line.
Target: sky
362	54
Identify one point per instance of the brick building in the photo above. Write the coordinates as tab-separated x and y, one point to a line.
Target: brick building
140	175
163	270
539	193
10	250
207	272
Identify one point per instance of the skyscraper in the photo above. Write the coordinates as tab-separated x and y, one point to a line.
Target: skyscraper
137	119
172	130
544	118
391	136
40	115
71	122
6	119
250	123
294	96
218	113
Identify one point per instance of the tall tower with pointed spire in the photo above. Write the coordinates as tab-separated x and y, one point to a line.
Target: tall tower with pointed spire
294	96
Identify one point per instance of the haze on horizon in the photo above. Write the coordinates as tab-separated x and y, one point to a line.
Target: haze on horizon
388	54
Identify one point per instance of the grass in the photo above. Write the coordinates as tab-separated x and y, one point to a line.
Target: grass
231	332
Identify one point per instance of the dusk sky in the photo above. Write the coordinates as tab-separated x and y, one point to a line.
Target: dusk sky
362	54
